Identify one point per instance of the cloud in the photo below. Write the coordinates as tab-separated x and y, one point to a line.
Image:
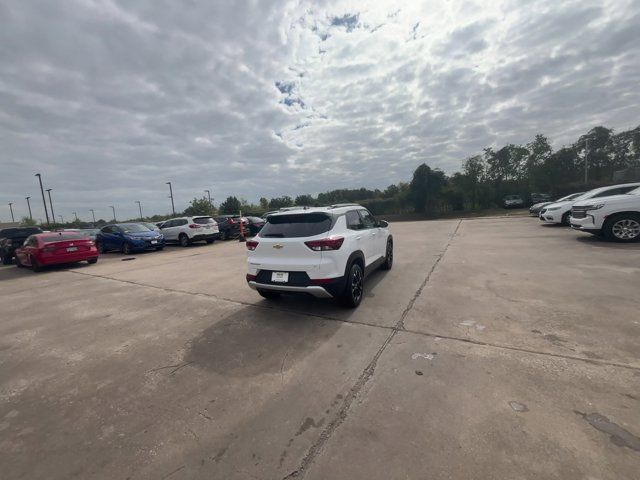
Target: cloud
110	99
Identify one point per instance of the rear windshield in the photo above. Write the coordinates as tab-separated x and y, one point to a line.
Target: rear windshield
300	225
203	220
65	237
19	232
134	228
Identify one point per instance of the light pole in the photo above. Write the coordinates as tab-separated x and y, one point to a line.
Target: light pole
46	213
53	217
76	215
61	219
11	208
93	214
29	205
114	213
209	197
173	208
140	208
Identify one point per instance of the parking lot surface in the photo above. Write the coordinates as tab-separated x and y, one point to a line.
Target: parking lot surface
494	348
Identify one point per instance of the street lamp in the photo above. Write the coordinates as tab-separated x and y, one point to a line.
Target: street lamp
208	195
76	215
140	208
93	214
114	213
173	208
46	213
61	219
53	217
29	205
11	208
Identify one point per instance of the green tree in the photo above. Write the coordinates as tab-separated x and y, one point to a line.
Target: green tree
473	169
199	206
230	206
280	202
264	203
391	191
28	221
304	200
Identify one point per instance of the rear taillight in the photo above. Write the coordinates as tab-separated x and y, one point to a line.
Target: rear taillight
331	243
48	249
194	225
251	245
250	278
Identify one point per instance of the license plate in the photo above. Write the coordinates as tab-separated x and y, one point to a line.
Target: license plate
153	242
72	249
280	277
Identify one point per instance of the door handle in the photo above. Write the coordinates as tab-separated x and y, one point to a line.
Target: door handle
358	237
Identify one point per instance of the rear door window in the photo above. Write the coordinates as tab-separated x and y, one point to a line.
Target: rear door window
367	219
354	222
296	225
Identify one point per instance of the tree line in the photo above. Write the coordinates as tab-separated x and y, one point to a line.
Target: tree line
481	183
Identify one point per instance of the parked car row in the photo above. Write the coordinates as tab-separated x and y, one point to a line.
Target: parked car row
612	212
32	247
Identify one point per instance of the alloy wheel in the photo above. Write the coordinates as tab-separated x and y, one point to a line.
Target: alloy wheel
356	284
626	229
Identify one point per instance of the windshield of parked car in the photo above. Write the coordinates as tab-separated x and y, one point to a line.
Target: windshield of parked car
62	237
134	228
570	197
634	192
203	220
296	225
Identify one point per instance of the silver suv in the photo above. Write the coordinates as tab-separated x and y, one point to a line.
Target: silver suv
186	230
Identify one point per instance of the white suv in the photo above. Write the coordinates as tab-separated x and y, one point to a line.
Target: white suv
560	211
616	217
323	251
186	230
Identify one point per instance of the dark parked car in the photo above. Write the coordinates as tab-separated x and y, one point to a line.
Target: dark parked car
540	198
12	238
512	201
254	225
229	226
127	238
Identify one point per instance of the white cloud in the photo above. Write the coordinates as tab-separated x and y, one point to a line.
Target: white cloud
111	99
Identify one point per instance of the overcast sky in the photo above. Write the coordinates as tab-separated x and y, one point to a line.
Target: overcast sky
111	99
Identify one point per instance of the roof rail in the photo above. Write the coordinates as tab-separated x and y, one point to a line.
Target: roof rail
339	205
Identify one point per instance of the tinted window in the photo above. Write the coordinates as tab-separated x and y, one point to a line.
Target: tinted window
62	238
300	225
353	220
203	220
133	228
107	230
367	219
180	222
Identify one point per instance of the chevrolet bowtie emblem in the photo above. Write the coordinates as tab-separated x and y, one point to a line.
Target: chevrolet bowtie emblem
278	246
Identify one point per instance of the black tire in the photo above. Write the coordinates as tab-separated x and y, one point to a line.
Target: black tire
126	248
7	259
19	263
159	248
35	266
210	241
354	289
91	261
225	235
268	294
623	228
183	240
100	247
388	258
565	218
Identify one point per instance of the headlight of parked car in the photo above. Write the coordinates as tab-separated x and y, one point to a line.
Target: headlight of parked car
553	208
594	207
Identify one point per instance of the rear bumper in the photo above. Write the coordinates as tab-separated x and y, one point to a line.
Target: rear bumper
315	290
63	259
205	236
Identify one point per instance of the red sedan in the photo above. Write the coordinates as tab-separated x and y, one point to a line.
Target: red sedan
55	248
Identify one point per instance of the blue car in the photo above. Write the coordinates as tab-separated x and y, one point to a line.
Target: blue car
128	238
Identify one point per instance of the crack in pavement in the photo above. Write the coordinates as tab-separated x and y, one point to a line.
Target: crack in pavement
365	376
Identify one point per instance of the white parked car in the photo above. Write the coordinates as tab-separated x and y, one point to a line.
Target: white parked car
186	230
616	217
560	212
323	251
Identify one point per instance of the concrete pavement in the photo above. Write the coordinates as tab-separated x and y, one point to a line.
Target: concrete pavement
495	348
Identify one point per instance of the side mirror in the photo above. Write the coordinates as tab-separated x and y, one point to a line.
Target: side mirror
383	224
